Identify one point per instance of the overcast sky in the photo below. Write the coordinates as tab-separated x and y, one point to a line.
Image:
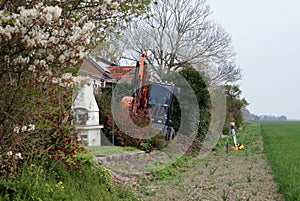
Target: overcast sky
266	39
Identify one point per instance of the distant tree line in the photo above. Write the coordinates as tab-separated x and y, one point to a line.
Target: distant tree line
247	115
268	118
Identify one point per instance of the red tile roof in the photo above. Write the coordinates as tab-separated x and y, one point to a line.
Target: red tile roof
122	72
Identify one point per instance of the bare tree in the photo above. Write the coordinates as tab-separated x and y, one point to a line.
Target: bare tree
179	34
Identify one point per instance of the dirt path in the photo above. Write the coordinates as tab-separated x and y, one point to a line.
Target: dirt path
218	178
240	175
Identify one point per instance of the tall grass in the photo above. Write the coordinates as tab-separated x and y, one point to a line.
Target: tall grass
282	146
47	180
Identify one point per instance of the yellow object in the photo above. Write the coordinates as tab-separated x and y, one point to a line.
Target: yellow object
232	123
240	146
234	148
237	147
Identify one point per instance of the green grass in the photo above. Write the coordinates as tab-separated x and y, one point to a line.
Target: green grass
282	145
51	180
103	150
248	136
164	170
48	180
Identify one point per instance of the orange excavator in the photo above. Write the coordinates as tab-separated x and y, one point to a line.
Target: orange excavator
151	99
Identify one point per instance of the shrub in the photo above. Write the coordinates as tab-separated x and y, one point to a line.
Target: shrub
40	124
52	180
197	83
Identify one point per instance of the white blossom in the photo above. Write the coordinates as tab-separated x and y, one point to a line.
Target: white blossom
31	68
88	26
24	128
6	58
55	80
50	58
10	153
42	79
62	58
48	18
55	11
17	129
46	35
67	76
21	60
31	127
80	79
43	62
18	156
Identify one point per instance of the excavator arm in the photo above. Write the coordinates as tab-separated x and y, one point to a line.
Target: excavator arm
141	85
138	101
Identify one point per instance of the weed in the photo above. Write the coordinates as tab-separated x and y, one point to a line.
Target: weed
254	192
147	191
230	183
168	168
213	170
225	195
197	186
249	179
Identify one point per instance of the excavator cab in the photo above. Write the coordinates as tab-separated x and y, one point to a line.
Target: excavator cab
160	99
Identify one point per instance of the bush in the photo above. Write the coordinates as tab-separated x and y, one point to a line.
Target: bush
155	143
52	180
39	123
197	82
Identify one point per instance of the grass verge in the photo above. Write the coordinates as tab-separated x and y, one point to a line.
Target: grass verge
46	179
282	141
102	150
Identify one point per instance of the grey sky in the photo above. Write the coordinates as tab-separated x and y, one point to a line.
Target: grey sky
266	39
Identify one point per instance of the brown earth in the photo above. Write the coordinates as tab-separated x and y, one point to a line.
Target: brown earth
239	175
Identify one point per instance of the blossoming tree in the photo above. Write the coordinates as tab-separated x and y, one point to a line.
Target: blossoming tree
40	42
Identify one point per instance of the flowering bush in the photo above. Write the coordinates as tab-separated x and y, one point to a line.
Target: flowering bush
66	152
41	41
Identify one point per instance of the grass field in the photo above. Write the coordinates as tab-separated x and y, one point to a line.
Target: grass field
282	145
